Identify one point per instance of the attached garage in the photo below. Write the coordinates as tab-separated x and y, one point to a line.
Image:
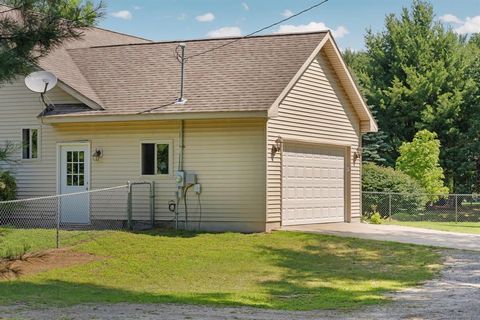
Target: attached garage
313	184
314	144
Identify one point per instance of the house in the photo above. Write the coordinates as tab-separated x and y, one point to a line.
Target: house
272	127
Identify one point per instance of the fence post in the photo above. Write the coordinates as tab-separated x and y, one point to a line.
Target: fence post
456	208
152	203
58	225
129	206
389	207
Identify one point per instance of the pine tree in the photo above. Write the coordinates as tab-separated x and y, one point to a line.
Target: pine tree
30	29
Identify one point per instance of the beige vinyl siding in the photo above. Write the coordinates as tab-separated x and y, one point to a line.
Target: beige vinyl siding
316	108
227	155
19	109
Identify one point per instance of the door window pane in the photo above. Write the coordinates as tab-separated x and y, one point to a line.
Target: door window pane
75	168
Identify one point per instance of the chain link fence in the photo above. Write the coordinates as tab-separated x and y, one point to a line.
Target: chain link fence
411	207
67	219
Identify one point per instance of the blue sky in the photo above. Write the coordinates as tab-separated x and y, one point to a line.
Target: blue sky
348	19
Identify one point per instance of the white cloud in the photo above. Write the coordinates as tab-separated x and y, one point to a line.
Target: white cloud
470	25
207	17
287	13
123	14
245	6
225	32
182	16
450	18
339	32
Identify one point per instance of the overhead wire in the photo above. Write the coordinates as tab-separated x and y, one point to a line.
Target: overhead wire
177	55
258	31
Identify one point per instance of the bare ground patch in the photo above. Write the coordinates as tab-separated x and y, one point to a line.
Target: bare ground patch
33	263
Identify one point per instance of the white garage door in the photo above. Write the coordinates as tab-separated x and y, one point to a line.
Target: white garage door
313	184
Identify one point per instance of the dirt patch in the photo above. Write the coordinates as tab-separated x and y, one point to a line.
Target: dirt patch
43	261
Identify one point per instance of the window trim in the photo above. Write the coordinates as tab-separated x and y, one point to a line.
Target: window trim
170	158
39	143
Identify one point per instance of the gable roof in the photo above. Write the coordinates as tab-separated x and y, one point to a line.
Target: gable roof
254	74
145	78
329	46
118	74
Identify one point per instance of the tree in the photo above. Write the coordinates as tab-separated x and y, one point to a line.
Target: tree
420	160
417	74
30	29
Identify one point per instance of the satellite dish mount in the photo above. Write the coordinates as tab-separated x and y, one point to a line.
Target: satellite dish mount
41	82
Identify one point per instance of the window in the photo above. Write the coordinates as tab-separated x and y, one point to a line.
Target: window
75	168
29	143
155	158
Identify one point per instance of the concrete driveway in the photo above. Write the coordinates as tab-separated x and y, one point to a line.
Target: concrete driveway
462	241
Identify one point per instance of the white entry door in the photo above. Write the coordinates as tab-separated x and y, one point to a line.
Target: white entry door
313	184
74	177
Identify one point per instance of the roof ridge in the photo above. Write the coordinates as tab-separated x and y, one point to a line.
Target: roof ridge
123	34
207	39
96	99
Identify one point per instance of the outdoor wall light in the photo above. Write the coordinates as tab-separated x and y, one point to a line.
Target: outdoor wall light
357	155
97	154
277	147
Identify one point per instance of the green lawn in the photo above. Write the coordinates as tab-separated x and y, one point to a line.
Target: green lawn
15	241
463	227
281	270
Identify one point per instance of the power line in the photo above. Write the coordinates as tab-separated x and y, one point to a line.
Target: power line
258	31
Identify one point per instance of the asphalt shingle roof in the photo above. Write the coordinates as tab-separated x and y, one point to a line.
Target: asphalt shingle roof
145	78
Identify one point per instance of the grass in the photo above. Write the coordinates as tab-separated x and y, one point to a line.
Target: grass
462	227
281	270
15	241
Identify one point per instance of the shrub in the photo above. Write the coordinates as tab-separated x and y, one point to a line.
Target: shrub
376	218
8	186
420	160
381	179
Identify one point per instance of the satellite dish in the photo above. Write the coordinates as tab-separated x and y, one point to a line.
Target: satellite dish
41	81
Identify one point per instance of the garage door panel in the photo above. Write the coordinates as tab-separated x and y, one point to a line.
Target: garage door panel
313	184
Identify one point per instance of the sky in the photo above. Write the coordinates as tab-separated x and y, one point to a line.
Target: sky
348	19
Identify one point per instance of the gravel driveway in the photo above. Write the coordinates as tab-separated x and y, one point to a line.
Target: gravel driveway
454	295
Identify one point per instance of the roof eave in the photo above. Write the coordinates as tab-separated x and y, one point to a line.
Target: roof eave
58	119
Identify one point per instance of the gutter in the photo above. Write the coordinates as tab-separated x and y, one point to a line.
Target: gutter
58	119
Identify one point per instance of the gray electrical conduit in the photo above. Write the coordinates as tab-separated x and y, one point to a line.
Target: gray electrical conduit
180	168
